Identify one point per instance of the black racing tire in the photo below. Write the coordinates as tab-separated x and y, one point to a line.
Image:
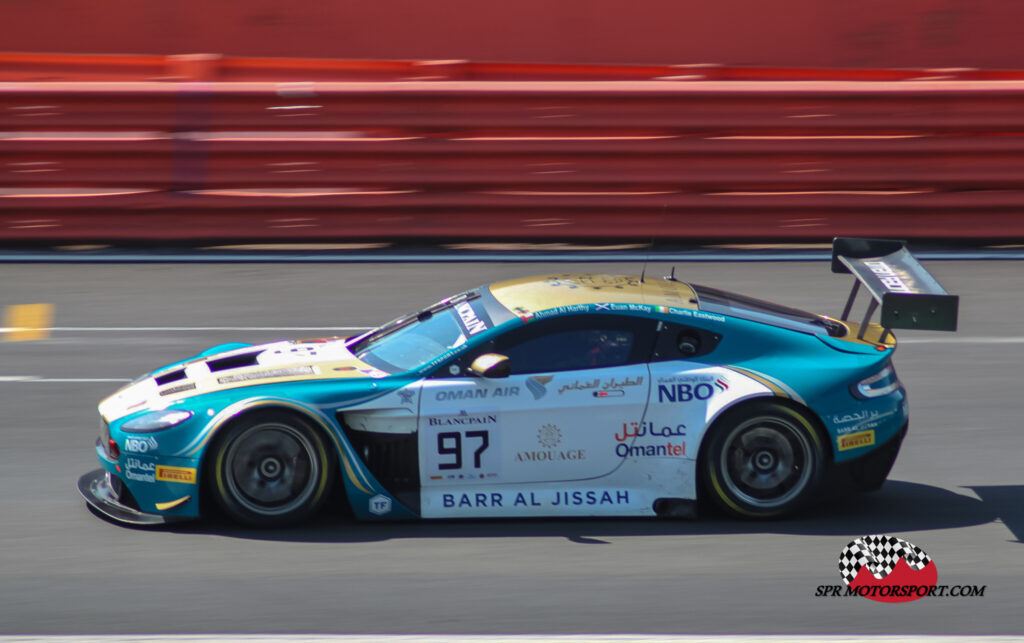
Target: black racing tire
271	469
763	459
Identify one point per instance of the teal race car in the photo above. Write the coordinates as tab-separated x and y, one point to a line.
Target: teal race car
559	395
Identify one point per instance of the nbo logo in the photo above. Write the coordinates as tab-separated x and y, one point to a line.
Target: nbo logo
140	445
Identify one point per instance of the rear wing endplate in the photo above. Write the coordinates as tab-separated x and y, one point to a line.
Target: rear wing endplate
909	296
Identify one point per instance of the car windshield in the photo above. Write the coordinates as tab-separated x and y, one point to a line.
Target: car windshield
413	340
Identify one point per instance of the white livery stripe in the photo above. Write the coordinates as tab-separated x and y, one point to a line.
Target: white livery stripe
960	340
189	329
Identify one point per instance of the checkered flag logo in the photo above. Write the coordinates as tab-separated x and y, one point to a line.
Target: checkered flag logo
880	554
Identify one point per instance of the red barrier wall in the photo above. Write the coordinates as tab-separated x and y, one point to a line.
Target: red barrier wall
195	162
42	67
780	33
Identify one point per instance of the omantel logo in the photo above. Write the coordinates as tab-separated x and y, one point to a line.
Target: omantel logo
890	564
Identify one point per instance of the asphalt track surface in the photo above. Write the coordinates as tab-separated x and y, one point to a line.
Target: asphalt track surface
957	490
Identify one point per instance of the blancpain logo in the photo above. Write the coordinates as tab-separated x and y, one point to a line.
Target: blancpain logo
469	318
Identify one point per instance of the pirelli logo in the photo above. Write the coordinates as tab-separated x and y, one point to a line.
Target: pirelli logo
856	440
175	474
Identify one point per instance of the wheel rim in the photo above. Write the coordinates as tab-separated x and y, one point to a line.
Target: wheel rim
767	461
272	469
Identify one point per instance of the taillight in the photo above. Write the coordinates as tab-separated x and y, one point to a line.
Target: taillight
881	383
113	451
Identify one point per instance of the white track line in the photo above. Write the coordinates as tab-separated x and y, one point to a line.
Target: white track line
960	340
506	638
74	380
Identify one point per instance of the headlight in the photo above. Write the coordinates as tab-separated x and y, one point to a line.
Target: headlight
881	383
156	421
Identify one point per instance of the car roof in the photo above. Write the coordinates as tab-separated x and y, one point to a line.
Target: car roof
534	294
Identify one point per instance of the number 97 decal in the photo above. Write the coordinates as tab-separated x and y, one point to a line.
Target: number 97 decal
462	455
449	443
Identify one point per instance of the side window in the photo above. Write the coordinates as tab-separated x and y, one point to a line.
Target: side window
570	350
676	341
577	342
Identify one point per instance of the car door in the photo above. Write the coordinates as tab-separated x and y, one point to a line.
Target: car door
574	382
685	388
689	389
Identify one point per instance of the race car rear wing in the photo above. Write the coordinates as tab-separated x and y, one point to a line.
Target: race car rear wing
910	297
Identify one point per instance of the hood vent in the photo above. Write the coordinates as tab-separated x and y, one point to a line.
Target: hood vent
167	378
235	361
180	388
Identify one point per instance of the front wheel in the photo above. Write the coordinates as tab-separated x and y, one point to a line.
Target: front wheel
763	460
271	469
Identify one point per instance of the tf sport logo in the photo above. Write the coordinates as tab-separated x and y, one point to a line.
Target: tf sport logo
887	569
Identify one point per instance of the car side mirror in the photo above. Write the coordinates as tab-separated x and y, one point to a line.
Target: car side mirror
491	365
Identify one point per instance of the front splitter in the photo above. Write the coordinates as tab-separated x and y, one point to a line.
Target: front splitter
97	492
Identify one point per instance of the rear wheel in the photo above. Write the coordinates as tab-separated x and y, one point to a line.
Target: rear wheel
763	460
271	469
